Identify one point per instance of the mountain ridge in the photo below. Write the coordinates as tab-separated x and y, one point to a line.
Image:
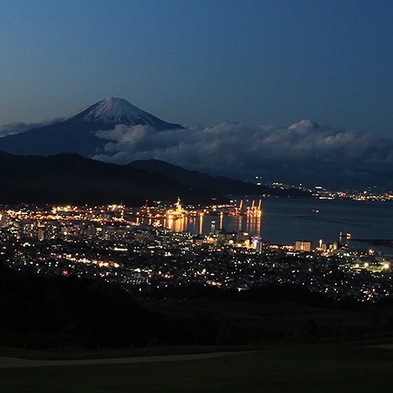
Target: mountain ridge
69	178
211	184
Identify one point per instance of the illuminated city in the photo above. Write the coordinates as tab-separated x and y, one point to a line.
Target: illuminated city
160	246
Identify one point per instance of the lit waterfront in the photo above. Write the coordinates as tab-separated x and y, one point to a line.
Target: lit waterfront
105	243
208	224
278	221
283	221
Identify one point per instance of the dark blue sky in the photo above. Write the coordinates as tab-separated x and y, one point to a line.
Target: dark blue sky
201	61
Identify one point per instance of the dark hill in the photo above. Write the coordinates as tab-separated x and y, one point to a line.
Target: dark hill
72	179
209	184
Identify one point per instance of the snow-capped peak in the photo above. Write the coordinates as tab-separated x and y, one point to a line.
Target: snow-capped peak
303	125
115	110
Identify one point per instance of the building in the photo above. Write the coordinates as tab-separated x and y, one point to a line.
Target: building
303	245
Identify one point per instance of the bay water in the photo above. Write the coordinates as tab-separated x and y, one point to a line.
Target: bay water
284	221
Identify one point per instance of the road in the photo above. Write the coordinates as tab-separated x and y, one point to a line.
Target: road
8	362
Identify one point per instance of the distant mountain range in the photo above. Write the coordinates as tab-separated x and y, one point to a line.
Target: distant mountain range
72	179
113	130
78	134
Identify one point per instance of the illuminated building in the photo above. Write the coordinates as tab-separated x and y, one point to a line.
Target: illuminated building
178	212
41	231
303	245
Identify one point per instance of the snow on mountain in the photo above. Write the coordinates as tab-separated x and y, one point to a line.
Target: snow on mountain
304	124
119	111
78	134
113	109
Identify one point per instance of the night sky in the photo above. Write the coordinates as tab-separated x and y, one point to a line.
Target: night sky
256	62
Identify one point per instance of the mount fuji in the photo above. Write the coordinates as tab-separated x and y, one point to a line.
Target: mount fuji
77	134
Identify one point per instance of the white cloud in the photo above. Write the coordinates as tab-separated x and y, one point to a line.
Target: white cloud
233	148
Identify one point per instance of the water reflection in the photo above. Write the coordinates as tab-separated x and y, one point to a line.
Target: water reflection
208	224
179	224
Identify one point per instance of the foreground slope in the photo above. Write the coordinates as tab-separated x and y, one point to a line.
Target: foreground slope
315	369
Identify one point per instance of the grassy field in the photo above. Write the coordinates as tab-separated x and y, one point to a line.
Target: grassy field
316	368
